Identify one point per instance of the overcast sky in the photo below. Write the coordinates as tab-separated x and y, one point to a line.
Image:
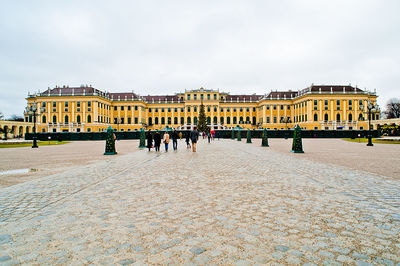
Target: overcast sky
164	47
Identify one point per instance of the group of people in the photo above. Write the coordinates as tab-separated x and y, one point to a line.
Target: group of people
191	139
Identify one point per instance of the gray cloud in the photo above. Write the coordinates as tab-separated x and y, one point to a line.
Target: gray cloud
162	47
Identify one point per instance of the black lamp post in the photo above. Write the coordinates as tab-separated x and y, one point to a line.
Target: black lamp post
32	110
371	108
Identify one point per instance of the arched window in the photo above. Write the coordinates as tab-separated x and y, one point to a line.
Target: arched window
78	119
315	117
247	119
150	121
66	119
169	120
254	120
228	120
195	120
189	121
175	120
241	119
360	117
162	120
221	119
350	117
44	119
54	119
215	120
326	117
156	121
89	119
208	120
182	120
338	117
234	120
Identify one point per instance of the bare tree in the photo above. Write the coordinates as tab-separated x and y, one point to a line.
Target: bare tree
1	116
393	108
15	117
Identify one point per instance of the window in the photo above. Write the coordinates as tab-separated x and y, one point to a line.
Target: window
208	120
89	119
201	96
122	120
54	119
247	119
195	108
175	110
208	96
122	108
350	117
54	104
182	109
326	117
221	119
281	107
78	119
215	120
241	119
315	102
156	120
350	102
228	120
315	117
234	120
136	108
66	119
288	107
338	117
267	107
129	120
326	102
188	96
149	110
360	102
267	119
156	110
215	96
274	107
162	110
89	104
175	120
169	120
129	108
115	108
169	110
188	109
150	121
195	96
222	109
208	109
254	120
215	109
195	120
44	119
228	109
360	117
162	120
66	104
241	109
182	120
247	109
188	121
274	119
234	110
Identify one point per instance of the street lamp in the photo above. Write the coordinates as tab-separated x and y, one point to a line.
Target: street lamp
286	120
371	108
32	110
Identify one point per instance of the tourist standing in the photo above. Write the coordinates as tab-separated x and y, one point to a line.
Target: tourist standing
194	136
157	140
175	140
149	138
166	140
188	140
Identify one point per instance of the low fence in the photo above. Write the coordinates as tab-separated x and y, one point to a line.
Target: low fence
257	133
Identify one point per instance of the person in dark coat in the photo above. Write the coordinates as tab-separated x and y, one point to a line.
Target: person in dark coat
188	140
194	136
149	138
157	140
175	137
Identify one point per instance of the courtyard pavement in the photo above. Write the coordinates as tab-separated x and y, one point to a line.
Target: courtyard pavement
231	203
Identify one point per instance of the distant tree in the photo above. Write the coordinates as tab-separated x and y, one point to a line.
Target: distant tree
16	118
393	108
202	123
1	116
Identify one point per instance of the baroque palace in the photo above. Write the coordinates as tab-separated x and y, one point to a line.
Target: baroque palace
86	109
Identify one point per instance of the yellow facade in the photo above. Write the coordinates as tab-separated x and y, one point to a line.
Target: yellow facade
85	109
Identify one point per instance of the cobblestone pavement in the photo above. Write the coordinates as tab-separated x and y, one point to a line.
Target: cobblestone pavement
229	203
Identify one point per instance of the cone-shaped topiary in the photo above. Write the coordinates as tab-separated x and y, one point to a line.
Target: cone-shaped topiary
233	134
248	136
297	146
110	142
264	142
142	139
202	123
239	137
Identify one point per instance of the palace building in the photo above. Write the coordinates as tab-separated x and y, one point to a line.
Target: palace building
86	109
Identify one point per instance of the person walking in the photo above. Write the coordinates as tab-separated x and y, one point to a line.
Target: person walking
188	140
209	136
194	136
157	140
166	140
149	138
175	140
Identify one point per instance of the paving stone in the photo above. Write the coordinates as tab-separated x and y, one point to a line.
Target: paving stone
197	250
326	254
278	255
126	262
360	256
281	248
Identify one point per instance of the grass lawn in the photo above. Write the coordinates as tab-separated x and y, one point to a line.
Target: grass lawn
364	140
42	143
